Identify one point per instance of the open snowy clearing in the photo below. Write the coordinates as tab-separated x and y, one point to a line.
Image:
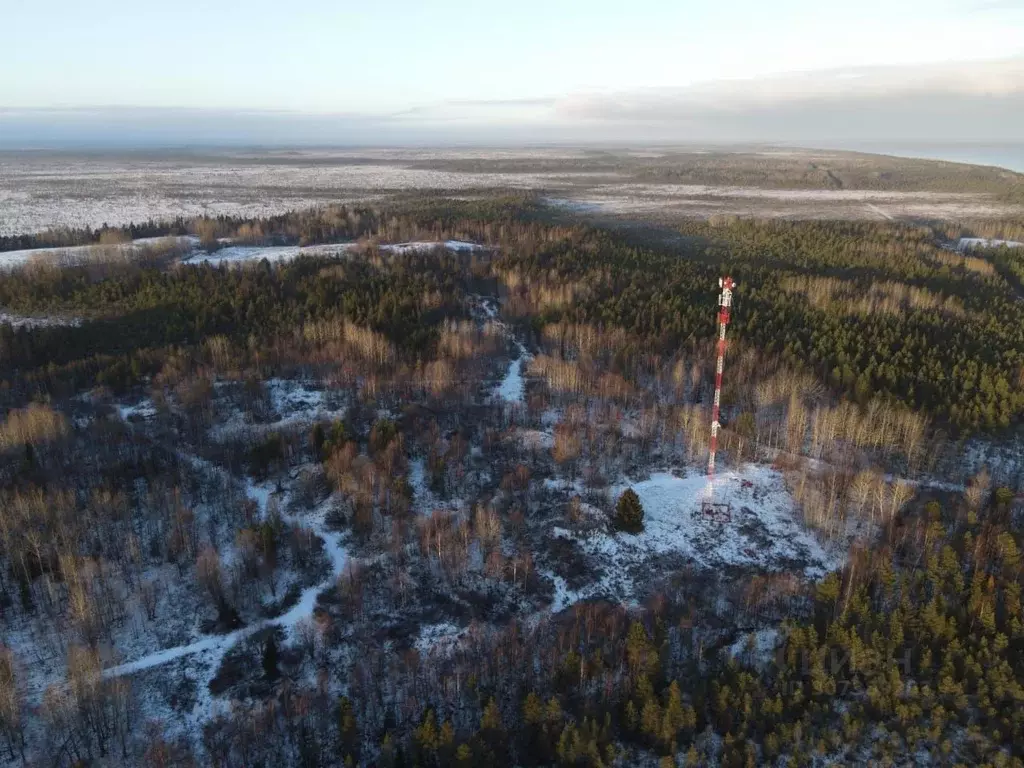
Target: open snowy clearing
764	533
235	254
228	254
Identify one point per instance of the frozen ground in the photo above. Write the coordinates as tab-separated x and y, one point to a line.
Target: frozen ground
439	639
764	533
425	501
513	388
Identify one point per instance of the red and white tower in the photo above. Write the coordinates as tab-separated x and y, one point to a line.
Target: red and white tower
724	305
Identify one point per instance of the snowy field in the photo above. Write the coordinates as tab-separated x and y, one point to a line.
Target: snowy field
47	191
43	191
704	201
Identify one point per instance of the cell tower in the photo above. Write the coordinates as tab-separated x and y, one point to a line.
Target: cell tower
724	305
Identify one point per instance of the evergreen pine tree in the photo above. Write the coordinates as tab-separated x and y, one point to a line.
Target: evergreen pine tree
629	512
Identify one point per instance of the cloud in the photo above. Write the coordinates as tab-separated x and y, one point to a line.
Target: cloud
979	101
999	79
982	101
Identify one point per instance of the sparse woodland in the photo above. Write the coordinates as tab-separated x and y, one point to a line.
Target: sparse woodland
214	451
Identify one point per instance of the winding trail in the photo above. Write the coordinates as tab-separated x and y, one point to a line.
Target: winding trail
210	648
213	648
513	387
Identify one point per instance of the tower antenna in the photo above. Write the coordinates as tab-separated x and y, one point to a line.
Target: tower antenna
724	306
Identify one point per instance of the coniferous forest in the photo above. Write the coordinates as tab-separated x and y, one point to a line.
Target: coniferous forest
417	504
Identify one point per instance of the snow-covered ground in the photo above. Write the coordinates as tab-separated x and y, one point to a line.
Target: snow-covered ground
1003	460
144	409
43	192
295	402
764	532
79	254
440	639
234	254
30	321
756	648
425	501
513	388
704	201
211	649
451	245
972	243
229	254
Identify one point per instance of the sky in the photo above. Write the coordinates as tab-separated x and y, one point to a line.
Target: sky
529	69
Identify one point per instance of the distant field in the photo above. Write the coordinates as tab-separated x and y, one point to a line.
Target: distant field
39	191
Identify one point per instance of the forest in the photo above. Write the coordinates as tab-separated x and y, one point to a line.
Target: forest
407	507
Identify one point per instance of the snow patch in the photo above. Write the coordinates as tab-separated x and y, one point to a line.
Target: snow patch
756	648
513	387
763	533
29	322
296	403
450	245
144	409
535	439
241	254
424	500
440	639
80	254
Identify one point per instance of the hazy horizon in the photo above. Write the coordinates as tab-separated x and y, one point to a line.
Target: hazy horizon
400	74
